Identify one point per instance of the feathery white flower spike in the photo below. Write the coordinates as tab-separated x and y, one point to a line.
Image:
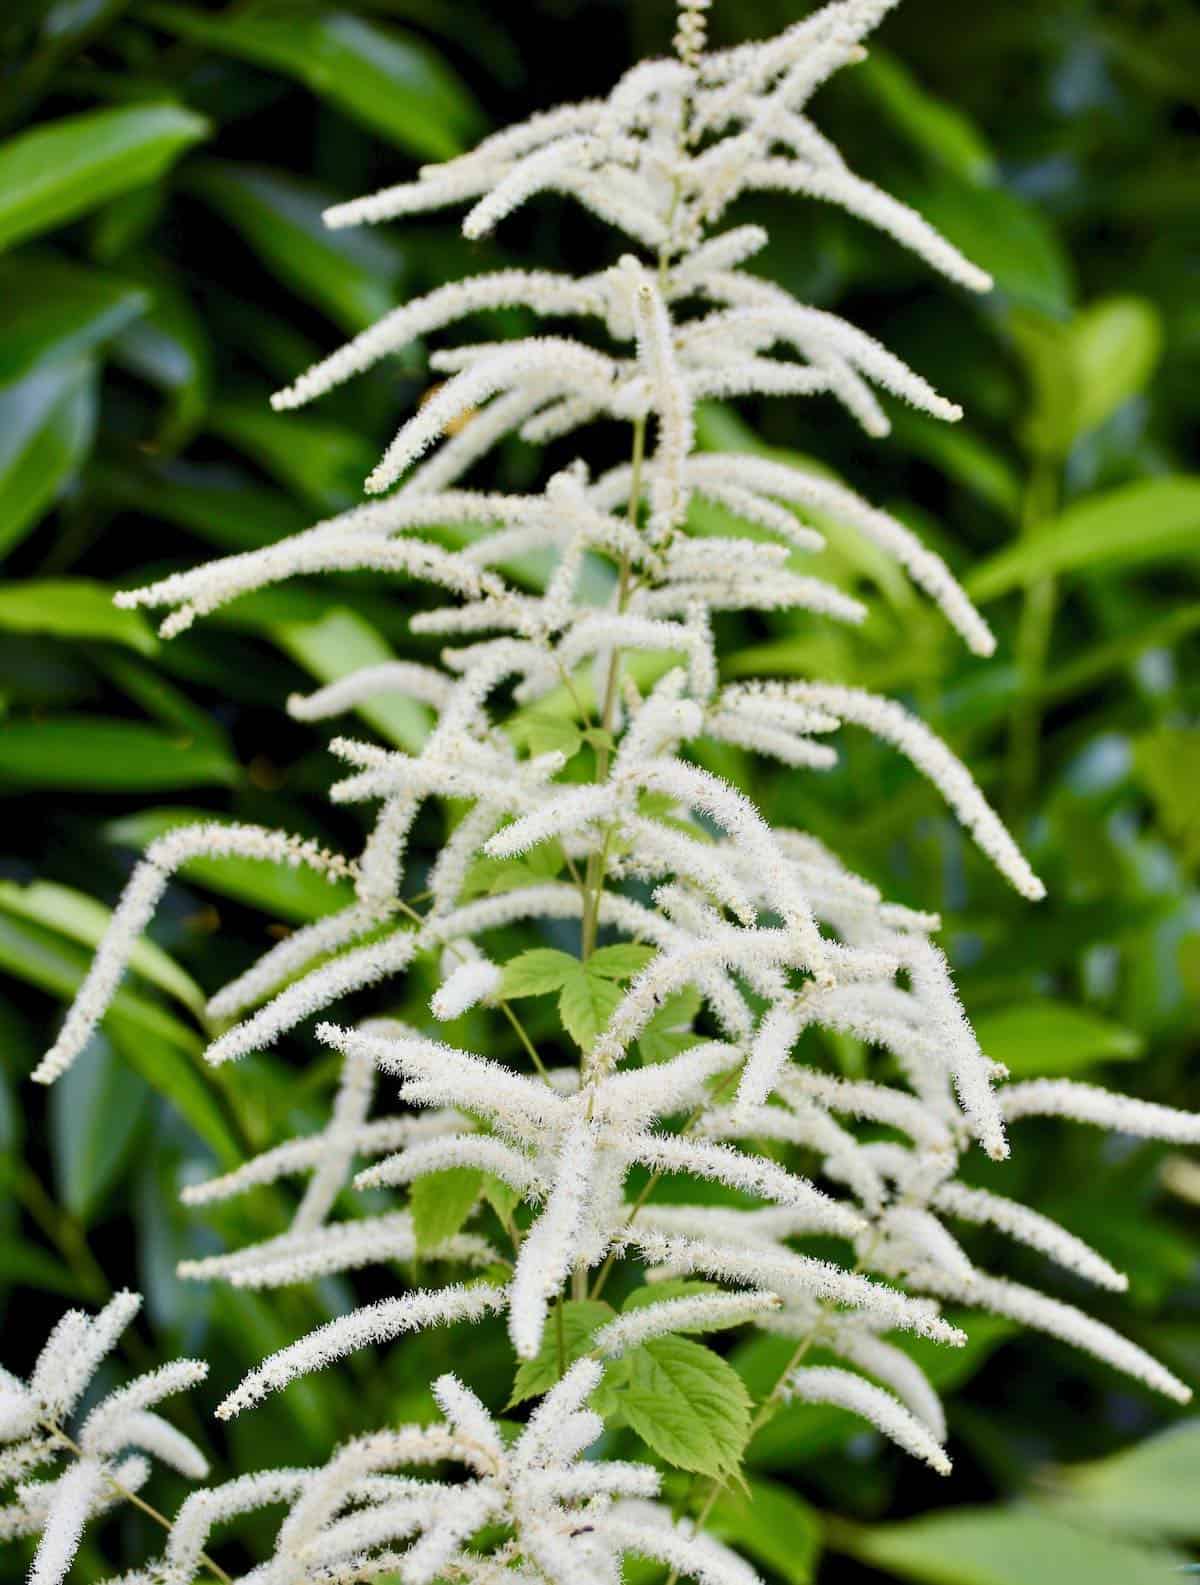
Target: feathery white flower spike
558	601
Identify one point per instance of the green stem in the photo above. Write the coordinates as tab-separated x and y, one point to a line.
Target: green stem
1034	631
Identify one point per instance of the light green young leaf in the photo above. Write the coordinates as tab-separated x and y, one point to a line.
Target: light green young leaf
585	1004
1138	524
670	1030
688	1405
581	1318
60	169
1147	1491
1167	763
998	1546
72	608
1116	344
1044	1038
621	961
544	733
441	1202
537	972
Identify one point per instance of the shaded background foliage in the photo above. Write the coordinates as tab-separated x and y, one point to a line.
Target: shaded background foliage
162	269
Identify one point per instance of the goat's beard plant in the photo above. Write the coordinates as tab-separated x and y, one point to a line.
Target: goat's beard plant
756	931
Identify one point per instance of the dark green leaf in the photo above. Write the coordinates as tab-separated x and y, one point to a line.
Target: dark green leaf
95	1110
322	463
388	80
55	311
349	275
47	422
107	756
773	1525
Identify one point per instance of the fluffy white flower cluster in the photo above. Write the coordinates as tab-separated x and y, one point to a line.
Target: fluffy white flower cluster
104	1462
706	904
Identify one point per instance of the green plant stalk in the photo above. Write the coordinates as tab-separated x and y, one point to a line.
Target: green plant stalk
1034	631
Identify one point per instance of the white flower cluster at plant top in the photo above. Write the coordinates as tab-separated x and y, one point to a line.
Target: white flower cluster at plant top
761	926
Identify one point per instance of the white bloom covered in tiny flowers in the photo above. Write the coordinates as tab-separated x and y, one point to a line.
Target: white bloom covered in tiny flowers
708	940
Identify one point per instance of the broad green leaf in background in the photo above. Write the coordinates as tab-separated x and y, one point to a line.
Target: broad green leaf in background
54	172
298	894
688	1405
390	81
440	1203
185	1081
321	462
1048	1038
81	918
1148	1491
95	1111
773	1525
349	275
107	756
1082	369
54	963
168	347
342	641
54	311
47	424
72	608
223	506
1004	235
1150	520
1008	1546
1167	763
934	126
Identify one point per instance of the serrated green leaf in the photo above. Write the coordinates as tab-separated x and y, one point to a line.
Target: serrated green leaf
390	81
621	961
537	972
670	1030
660	1292
688	1405
1044	1038
441	1202
61	169
107	755
581	1318
585	1004
72	608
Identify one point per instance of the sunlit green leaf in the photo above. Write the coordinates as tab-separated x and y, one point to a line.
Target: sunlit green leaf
107	756
72	608
47	423
687	1404
54	172
1041	1038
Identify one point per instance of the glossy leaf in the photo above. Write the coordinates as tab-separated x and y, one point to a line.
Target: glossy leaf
55	311
96	1109
72	608
57	171
107	756
47	424
388	80
348	275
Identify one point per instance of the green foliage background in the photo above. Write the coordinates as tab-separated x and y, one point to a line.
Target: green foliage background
162	268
